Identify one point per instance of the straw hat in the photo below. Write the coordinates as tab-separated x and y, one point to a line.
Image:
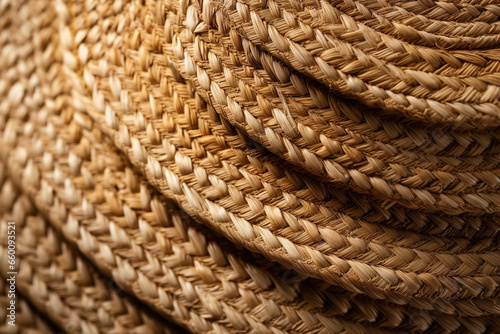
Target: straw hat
385	219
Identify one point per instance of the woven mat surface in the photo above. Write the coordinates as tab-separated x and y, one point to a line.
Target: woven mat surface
244	166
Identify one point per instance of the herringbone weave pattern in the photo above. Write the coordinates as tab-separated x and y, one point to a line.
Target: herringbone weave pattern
246	166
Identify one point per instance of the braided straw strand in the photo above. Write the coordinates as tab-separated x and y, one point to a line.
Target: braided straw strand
60	149
344	65
230	142
472	197
141	157
388	186
144	228
449	25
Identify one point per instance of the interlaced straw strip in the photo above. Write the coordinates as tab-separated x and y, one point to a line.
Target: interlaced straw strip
232	142
97	224
177	121
312	128
412	27
179	259
191	277
62	285
67	294
68	195
161	98
333	53
394	127
304	125
138	154
385	182
466	27
56	174
144	227
58	148
307	16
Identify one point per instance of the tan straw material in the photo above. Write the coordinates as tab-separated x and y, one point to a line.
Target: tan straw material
237	194
352	145
263	108
383	60
64	287
210	262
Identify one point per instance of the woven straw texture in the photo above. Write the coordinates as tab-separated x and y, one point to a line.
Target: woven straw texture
280	166
63	286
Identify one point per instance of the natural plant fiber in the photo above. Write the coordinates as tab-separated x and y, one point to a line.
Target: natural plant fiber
363	166
353	48
63	285
111	111
193	164
285	294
